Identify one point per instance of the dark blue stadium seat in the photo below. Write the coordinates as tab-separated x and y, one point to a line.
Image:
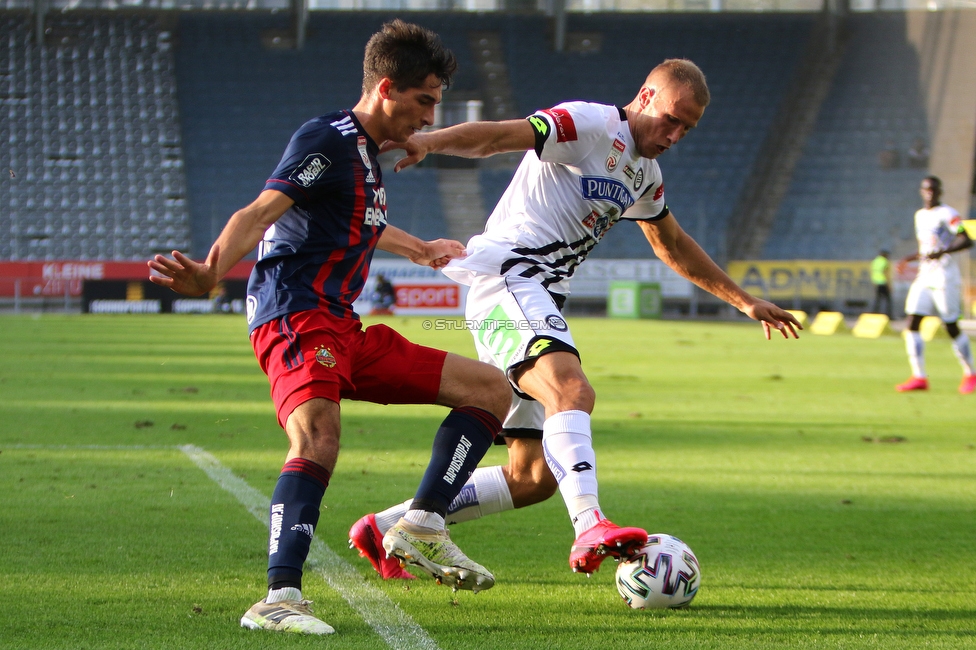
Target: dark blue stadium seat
838	186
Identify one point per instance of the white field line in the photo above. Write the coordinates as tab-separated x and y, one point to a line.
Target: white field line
382	614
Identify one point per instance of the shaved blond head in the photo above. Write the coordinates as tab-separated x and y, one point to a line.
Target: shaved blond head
684	72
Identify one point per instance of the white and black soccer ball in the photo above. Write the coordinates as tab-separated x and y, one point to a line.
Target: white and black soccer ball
662	575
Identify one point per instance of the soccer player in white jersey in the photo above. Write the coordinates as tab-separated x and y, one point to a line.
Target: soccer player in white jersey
937	286
586	167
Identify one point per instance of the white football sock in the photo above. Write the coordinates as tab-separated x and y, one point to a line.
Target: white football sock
963	351
485	493
387	519
568	446
285	593
915	346
425	519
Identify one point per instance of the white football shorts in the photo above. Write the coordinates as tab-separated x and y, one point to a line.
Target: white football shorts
507	315
923	299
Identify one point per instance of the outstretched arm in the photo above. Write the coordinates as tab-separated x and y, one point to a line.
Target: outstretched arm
238	238
468	140
435	254
683	254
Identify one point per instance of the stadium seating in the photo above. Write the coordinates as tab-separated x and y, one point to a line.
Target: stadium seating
842	204
91	138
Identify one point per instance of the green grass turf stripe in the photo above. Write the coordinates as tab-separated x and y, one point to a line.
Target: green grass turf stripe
382	614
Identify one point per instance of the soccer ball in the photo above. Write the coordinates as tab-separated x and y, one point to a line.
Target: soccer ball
662	575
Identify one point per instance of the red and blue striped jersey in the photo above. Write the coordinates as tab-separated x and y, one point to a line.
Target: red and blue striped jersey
317	255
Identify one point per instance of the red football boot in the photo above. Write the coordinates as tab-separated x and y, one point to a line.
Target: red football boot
367	538
968	384
604	540
915	383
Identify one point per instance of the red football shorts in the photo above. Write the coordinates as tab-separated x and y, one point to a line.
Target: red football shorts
312	354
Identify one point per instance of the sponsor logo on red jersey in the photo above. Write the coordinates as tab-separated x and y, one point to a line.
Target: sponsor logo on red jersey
565	126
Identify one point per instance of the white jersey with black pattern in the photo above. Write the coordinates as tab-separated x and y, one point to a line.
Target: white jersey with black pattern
563	199
935	228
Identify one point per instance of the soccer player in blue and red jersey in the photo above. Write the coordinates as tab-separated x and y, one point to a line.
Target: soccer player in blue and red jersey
316	224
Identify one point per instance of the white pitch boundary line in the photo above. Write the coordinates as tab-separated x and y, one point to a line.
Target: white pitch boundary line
389	621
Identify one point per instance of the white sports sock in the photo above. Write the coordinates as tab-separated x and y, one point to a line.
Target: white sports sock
485	493
915	346
425	519
963	351
285	593
587	519
568	446
387	519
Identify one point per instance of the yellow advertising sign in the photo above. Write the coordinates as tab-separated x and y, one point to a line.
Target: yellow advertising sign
809	279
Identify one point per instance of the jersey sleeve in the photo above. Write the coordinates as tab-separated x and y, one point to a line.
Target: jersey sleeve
568	132
306	169
954	222
651	205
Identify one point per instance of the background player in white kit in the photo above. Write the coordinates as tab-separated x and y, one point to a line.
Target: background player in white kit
937	286
588	166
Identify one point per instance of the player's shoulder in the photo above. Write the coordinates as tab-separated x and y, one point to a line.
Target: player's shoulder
332	128
581	116
950	212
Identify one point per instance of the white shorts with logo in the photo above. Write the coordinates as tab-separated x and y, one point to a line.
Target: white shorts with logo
923	299
507	315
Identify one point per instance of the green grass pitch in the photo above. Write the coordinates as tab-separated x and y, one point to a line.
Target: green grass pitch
764	456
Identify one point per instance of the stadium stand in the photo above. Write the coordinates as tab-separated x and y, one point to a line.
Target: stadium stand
843	203
92	138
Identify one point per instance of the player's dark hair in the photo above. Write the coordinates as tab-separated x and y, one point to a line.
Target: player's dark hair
935	180
686	72
406	54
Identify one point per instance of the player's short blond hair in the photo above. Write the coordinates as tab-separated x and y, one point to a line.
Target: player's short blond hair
684	72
